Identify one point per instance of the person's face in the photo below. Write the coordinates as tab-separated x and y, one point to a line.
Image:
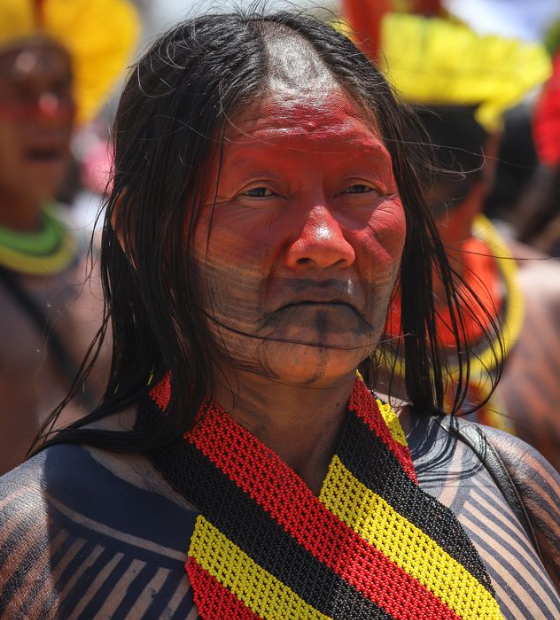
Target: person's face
36	119
297	265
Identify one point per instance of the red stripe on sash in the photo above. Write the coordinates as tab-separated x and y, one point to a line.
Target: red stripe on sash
365	407
161	392
261	474
223	604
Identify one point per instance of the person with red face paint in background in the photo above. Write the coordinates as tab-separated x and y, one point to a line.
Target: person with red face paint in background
56	67
460	95
266	200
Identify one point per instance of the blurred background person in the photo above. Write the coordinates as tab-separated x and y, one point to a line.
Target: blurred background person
541	216
462	84
59	59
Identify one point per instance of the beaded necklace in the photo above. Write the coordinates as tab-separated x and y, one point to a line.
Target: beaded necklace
491	271
373	545
46	252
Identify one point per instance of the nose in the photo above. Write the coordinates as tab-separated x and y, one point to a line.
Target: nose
320	243
48	104
51	106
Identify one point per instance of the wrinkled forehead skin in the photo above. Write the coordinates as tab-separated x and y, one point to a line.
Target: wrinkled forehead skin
302	97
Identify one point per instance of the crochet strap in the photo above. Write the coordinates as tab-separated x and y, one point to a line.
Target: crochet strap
372	545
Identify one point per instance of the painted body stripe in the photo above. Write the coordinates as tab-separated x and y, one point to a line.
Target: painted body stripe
524	569
525	555
329	539
235	570
397	489
363	405
486	502
405	544
516	605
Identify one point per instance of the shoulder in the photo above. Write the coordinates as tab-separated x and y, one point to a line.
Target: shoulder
451	471
525	464
538	484
78	530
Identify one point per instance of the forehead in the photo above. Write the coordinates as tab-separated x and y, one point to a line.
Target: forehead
314	117
33	60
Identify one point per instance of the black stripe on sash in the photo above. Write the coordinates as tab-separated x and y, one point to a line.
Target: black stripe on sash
376	467
261	537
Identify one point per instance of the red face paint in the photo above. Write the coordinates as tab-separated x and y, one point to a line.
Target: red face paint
305	241
34	111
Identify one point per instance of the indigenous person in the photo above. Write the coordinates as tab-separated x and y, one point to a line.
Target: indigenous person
58	61
543	228
443	68
265	202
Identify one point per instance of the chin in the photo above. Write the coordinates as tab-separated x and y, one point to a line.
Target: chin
45	180
302	365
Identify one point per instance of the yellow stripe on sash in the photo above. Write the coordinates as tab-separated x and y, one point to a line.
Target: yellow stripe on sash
390	417
374	520
392	421
255	587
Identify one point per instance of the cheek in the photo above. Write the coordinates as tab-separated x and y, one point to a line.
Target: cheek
10	143
381	242
232	265
238	241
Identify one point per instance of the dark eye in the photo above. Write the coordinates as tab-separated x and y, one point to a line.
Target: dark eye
258	192
358	189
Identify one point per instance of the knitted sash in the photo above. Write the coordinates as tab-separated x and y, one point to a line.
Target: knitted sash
372	545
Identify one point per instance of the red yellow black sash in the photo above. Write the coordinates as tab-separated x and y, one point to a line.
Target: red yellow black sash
373	545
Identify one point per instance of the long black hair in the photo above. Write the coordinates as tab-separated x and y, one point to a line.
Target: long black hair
174	108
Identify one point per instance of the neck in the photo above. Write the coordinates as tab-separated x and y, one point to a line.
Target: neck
301	424
19	213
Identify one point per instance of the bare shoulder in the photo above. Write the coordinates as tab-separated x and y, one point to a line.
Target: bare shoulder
538	484
448	469
81	536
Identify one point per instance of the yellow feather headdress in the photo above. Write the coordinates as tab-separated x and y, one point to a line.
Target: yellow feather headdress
100	36
436	62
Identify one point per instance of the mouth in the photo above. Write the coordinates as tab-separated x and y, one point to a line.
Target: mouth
319	304
341	299
302	311
326	318
44	155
